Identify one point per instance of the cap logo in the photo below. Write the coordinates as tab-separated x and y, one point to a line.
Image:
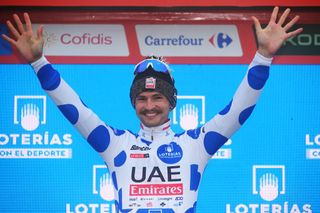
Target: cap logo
150	83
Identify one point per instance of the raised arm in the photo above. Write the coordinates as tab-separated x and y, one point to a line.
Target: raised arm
271	38
82	118
232	117
27	43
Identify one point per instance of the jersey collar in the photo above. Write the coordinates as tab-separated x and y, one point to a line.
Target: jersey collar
151	133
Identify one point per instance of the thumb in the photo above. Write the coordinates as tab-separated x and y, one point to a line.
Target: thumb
257	24
40	32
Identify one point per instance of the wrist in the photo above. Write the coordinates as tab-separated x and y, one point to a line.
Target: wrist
38	64
264	53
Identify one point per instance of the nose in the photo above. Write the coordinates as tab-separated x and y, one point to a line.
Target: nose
149	104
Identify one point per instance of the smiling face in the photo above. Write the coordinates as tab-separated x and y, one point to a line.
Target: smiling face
152	108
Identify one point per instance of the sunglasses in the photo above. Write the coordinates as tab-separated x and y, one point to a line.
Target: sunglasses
155	64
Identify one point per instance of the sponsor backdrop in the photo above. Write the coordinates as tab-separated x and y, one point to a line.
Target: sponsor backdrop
272	164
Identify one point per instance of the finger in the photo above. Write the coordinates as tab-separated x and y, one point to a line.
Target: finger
13	30
274	14
291	23
284	16
8	39
28	22
40	32
294	33
18	23
257	24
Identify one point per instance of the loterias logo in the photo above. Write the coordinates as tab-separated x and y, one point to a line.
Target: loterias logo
103	187
33	140
313	146
269	182
170	153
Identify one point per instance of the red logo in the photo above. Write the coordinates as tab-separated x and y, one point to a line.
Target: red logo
150	83
136	155
156	189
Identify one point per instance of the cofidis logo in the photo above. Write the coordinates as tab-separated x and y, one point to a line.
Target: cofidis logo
269	183
31	141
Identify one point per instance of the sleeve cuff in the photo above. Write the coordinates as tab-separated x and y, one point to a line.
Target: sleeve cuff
38	64
261	60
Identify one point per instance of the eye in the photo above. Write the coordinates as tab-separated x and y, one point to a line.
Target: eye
140	98
158	97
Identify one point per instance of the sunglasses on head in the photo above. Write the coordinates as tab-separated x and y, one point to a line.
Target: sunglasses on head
155	64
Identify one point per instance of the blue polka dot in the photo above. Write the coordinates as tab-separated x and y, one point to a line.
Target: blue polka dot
195	177
213	141
120	203
134	134
99	138
179	134
49	77
83	103
114	180
244	115
258	76
70	112
226	109
194	133
117	132
192	209
120	159
145	141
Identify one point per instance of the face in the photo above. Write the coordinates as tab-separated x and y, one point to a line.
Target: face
152	108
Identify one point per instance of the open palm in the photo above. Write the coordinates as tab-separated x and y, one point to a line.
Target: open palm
29	45
271	38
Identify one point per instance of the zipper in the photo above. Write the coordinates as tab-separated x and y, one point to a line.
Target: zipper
152	135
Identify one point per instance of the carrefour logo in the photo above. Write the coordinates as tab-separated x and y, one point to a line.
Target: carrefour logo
220	40
170	153
189	40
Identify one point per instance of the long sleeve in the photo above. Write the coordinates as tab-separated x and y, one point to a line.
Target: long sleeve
223	125
69	103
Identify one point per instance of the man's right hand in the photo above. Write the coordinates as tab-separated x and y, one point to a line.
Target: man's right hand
29	45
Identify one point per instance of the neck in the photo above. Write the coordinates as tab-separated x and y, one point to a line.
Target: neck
152	133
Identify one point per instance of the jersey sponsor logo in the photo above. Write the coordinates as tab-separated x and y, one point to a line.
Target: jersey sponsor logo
150	83
269	182
145	175
140	148
139	155
170	153
156	189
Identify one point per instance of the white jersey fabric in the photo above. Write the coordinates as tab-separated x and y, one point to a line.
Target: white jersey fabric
156	170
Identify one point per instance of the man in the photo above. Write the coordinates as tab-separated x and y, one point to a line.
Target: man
156	163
